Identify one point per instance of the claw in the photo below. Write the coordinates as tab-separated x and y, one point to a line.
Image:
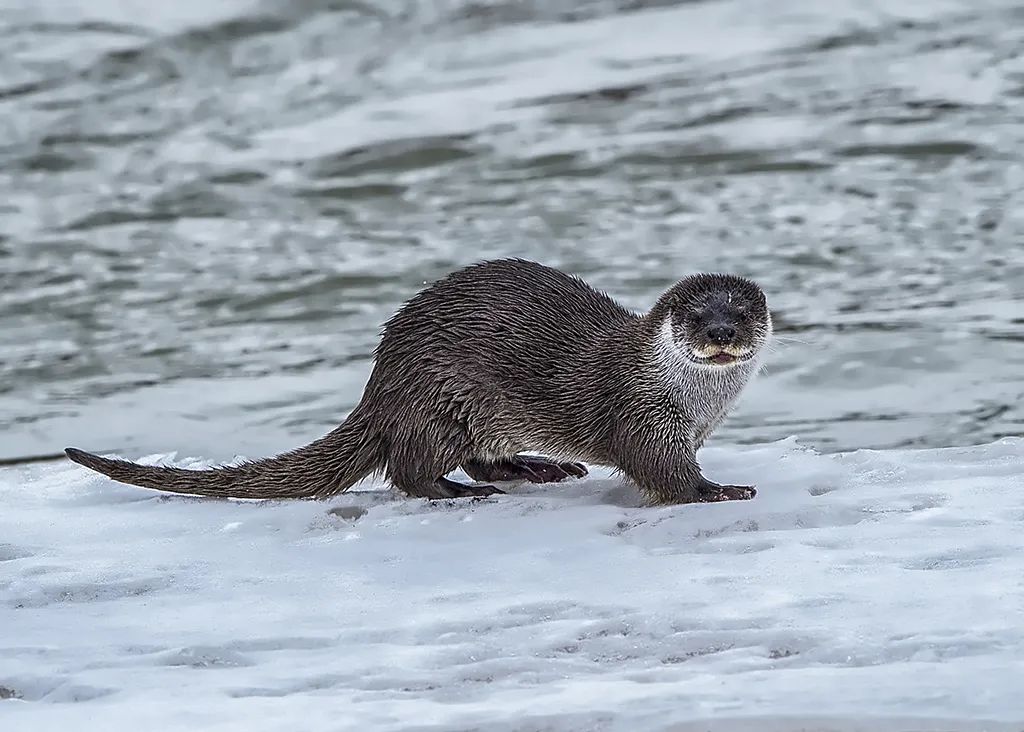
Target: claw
577	470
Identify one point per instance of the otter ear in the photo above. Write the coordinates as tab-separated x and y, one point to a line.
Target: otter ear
671	333
670	349
667	331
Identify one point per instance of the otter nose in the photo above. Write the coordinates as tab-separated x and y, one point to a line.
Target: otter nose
721	334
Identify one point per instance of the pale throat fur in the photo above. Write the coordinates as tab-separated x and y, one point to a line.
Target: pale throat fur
707	390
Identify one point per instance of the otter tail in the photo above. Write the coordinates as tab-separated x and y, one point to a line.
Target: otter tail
323	468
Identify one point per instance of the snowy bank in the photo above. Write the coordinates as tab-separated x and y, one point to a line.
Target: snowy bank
862	587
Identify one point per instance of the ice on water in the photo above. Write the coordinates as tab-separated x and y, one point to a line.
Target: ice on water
869	585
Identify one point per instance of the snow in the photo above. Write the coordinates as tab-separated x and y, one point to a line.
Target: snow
857	591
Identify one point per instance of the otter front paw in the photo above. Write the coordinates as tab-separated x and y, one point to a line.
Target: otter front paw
716	493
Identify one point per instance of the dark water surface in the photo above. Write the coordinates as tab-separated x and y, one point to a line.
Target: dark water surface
208	208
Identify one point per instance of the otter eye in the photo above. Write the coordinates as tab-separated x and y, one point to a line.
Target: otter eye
702	318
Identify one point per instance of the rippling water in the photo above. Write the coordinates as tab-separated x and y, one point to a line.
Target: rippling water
208	208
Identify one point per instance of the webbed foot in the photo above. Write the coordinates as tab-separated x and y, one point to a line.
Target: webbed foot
525	467
713	493
453	489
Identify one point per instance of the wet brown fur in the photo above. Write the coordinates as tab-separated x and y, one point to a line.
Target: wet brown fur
505	357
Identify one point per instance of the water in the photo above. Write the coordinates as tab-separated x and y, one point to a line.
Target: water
208	208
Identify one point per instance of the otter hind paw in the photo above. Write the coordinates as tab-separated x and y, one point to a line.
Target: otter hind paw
452	489
528	468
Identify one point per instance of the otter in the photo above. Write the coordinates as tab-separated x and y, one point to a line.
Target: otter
509	357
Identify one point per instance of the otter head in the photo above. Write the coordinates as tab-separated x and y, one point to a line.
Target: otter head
715	321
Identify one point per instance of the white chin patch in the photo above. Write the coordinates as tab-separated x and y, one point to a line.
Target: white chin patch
736	353
675	356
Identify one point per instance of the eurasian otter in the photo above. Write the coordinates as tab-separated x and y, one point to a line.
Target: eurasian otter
509	356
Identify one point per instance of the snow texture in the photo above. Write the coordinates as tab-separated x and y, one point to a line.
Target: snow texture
871	590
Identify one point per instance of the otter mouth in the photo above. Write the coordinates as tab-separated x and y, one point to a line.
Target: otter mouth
719	358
